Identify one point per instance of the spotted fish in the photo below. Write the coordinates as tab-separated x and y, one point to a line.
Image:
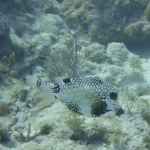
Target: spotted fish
89	96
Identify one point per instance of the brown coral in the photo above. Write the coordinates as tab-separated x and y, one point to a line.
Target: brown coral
3	108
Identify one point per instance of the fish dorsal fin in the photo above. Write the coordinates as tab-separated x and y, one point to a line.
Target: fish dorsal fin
67	80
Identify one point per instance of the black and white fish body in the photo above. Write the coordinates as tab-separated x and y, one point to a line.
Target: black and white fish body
89	96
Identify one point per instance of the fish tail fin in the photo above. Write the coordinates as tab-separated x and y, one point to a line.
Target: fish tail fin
54	86
40	82
44	86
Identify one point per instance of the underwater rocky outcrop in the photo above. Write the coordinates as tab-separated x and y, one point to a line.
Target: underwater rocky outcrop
57	39
110	21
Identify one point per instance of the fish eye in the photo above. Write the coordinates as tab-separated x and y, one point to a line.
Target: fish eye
113	95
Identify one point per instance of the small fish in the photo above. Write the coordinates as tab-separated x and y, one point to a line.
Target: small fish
89	96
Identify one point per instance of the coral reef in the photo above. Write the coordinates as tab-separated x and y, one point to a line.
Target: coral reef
55	39
117	52
147	12
109	27
3	108
94	52
3	135
76	124
4	28
136	64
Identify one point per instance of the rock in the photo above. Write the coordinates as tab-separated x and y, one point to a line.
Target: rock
94	52
49	23
117	52
18	42
3	108
3	135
